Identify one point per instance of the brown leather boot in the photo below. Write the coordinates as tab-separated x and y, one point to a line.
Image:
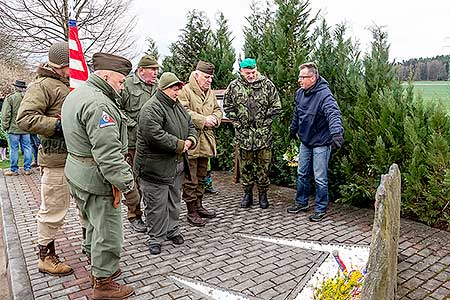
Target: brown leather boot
107	289
193	216
203	212
49	262
113	276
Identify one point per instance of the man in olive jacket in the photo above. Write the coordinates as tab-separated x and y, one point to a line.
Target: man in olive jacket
96	170
201	103
165	134
139	88
16	135
40	113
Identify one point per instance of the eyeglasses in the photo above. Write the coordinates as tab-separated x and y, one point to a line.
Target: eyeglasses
303	77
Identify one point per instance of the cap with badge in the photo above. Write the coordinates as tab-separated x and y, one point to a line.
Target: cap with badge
205	67
167	80
148	61
248	63
111	62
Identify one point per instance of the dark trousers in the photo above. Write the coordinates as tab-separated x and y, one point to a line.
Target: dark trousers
134	209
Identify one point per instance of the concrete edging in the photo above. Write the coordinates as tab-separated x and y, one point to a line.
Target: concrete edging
18	279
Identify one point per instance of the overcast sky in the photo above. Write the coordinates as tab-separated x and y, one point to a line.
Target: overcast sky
415	28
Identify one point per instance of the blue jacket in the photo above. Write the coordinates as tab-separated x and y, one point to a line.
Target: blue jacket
317	116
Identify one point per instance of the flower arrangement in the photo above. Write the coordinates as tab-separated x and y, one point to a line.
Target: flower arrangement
291	155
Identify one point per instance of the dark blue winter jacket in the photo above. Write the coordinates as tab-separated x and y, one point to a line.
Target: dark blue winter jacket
317	116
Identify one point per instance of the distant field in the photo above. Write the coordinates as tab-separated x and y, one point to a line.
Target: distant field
433	90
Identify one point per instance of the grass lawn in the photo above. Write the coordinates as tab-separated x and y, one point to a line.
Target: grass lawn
5	163
433	91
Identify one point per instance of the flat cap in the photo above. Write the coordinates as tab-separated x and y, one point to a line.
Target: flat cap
167	80
205	67
248	63
111	62
148	61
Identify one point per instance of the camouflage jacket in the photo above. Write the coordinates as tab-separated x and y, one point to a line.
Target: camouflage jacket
252	107
135	94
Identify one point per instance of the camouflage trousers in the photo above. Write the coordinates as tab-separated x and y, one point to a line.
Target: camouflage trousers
254	167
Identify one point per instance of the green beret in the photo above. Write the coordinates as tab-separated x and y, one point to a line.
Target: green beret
167	80
111	62
148	61
248	63
205	67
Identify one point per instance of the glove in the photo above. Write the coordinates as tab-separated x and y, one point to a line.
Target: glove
337	140
58	128
133	196
293	136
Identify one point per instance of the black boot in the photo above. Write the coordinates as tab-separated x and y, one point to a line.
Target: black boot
263	202
247	201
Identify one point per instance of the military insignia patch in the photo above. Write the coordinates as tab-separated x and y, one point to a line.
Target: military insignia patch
106	120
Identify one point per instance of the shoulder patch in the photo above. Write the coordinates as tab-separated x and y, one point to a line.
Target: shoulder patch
106	120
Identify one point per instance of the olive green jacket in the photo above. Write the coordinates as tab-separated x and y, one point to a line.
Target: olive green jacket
96	137
199	105
39	112
252	107
135	94
9	113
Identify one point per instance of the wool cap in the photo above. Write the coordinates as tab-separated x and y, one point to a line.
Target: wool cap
205	67
20	84
111	62
148	61
167	80
58	55
248	63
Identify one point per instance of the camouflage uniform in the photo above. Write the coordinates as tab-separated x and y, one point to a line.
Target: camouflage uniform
252	107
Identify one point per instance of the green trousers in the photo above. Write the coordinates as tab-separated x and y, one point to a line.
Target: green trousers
254	167
104	235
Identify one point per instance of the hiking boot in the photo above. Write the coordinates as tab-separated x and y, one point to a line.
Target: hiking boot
138	225
247	200
154	249
298	208
11	173
263	202
49	262
203	212
317	216
107	289
28	172
211	190
177	239
113	276
193	217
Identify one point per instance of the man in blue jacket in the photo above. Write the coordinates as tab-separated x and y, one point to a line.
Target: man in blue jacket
318	122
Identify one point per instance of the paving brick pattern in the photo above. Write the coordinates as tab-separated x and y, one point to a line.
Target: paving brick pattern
218	256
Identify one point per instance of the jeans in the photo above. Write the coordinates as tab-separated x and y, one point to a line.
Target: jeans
35	142
315	159
25	144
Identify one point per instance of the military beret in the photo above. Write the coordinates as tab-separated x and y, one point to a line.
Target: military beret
167	80
111	62
148	61
248	63
205	67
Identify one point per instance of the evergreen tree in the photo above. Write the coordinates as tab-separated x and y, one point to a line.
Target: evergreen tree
152	49
185	53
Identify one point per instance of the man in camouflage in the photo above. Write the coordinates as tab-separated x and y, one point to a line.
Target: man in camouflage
16	135
97	173
40	113
139	88
252	103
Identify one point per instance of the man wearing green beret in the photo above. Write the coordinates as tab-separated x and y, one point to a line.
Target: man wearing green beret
165	134
96	138
201	103
252	103
139	88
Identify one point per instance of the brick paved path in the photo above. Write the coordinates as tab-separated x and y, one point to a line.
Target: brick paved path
216	254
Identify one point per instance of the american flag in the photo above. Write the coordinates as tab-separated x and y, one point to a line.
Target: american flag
77	63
